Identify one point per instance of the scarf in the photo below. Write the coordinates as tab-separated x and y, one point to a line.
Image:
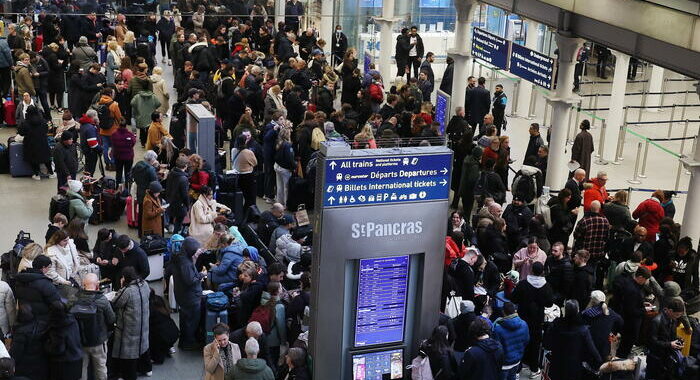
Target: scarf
277	99
117	57
25	106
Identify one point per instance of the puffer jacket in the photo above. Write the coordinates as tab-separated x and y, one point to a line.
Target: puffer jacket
77	207
7	308
227	270
514	335
143	104
59	272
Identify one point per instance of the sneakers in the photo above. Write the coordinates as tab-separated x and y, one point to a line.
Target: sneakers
170	62
149	373
52	175
163	60
36	177
535	375
172	350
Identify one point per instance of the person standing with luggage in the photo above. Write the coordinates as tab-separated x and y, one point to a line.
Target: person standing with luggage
110	117
177	185
152	211
188	292
123	142
244	162
36	146
65	157
94	326
89	140
284	164
143	173
6	62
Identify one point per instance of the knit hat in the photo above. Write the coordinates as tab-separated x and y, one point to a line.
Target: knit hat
83	40
155	187
466	307
75	185
671	289
66	136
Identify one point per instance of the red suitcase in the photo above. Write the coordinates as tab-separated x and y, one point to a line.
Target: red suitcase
132	212
38	43
9	107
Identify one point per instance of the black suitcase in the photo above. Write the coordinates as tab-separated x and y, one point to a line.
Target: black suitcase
154	244
298	193
228	183
59	204
112	205
97	216
234	201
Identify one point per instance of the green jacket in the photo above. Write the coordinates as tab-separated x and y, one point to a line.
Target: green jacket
77	207
250	369
142	106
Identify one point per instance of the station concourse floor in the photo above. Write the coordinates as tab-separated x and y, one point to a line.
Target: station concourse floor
24	202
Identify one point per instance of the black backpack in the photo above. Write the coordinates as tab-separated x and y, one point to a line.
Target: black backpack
524	186
105	116
85	313
481	188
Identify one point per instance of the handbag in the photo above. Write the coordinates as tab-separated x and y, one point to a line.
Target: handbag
452	305
302	216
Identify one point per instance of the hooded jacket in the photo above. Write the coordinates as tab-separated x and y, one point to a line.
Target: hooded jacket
227	270
187	281
35	294
176	194
513	334
88	134
571	344
105	314
116	114
250	369
23	79
532	296
143	104
482	361
143	174
77	207
583	284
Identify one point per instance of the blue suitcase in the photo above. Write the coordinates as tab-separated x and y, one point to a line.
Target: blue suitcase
18	166
212	318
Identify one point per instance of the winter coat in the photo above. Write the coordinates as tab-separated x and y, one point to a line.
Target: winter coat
65	158
42	68
156	131
64	263
628	297
152	215
649	213
105	314
77	207
187	281
571	344
202	219
532	295
143	174
136	258
143	104
131	332
513	334
24	80
618	216
35	294
63	339
36	145
227	270
213	365
482	361
461	325
560	276
471	170
85	56
582	150
111	67
583	284
600	326
176	194
161	92
21	110
115	112
8	314
250	369
479	104
5	54
136	85
123	142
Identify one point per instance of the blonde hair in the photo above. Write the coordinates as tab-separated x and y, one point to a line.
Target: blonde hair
31	251
112	45
158	70
129	37
196	162
275	89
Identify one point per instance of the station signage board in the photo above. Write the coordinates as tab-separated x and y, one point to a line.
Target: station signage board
532	66
490	48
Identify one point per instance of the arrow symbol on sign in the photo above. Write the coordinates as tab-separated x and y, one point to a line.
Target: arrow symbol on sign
444	170
331	200
444	182
332	165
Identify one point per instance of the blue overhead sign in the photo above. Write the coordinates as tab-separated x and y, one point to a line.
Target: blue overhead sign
490	48
386	179
532	66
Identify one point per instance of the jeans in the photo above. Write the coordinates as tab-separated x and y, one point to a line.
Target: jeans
98	356
189	321
106	142
44	99
124	170
511	374
283	176
177	223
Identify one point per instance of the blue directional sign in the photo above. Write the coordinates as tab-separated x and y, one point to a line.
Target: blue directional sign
386	179
442	110
490	48
532	66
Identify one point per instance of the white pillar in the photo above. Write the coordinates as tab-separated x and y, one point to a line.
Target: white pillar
691	213
655	81
327	27
557	170
279	11
616	112
386	40
461	52
525	88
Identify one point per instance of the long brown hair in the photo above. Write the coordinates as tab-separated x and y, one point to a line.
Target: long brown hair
76	229
56	238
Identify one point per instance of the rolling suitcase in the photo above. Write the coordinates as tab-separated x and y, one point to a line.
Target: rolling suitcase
132	212
112	206
18	166
212	318
298	193
97	216
9	108
59	204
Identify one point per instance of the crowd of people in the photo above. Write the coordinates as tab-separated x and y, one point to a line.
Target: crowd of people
526	283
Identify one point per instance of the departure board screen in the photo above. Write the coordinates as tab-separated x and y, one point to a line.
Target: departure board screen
381	300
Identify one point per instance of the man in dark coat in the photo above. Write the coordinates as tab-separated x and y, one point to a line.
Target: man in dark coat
415	51
90	84
325	99
339	45
483	360
456	127
532	295
583	147
65	157
446	82
535	142
134	256
575	185
583	277
403	45
628	301
663	342
188	292
560	273
479	102
461	323
176	194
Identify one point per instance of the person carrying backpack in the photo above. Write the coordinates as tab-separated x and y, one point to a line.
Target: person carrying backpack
490	185
528	182
109	117
95	316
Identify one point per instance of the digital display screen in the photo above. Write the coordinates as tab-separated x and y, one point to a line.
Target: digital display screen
378	365
441	110
381	300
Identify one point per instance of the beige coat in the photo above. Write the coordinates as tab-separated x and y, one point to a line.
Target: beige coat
213	365
59	272
202	217
161	93
7	309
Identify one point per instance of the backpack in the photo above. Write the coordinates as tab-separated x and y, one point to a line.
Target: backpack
480	187
220	87
85	313
420	368
217	301
265	316
105	116
525	187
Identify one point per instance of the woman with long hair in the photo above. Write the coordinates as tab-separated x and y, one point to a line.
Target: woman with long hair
442	362
503	160
114	61
64	257
76	231
126	69
198	176
244	163
167	152
365	139
284	163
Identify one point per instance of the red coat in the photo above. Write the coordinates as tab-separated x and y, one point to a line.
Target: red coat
452	251
376	93
198	179
596	193
649	213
